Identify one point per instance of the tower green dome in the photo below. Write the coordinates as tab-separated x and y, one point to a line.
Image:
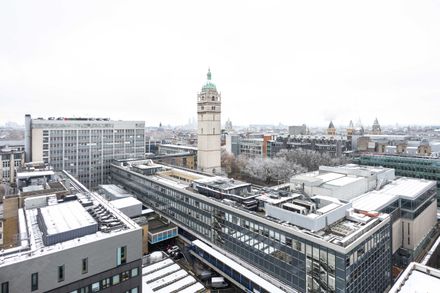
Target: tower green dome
209	85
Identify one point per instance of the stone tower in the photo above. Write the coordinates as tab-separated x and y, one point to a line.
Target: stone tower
208	128
376	127
350	129
331	130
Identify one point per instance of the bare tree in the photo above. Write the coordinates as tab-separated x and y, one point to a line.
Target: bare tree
281	168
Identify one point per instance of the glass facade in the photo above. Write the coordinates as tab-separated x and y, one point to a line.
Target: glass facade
295	259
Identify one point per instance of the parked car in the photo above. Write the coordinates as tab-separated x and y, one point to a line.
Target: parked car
173	249
218	282
176	255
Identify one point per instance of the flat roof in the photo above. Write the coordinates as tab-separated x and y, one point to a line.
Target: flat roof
146	167
178	146
239	268
65	217
156	226
417	278
373	201
21	175
114	190
407	188
222	182
167	180
328	238
166	276
344	181
125	202
275	199
329	176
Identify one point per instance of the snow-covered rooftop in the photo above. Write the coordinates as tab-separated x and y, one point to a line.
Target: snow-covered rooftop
417	278
165	276
61	222
407	188
125	202
21	175
65	217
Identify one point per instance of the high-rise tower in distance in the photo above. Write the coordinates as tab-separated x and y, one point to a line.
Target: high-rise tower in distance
208	127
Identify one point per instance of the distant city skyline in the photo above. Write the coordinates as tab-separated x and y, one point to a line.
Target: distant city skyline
277	62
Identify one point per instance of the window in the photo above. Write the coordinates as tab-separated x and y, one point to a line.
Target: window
85	265
95	287
125	276
60	273
105	283
115	280
5	287
121	255
34	281
134	272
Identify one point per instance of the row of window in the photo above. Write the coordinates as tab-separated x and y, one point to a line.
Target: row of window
111	281
6	164
95	287
121	258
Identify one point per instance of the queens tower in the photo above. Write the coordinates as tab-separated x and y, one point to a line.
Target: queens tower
208	128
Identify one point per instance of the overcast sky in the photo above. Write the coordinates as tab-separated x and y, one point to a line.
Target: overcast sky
292	62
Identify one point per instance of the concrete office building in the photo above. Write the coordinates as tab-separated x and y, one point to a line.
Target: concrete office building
298	130
342	182
410	202
209	128
83	146
334	145
301	244
78	243
233	143
256	147
11	159
269	145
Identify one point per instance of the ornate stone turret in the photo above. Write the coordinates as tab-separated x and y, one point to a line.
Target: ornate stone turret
359	129
331	130
228	125
350	129
209	127
376	127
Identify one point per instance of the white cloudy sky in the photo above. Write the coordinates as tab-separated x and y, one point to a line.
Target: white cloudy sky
274	61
